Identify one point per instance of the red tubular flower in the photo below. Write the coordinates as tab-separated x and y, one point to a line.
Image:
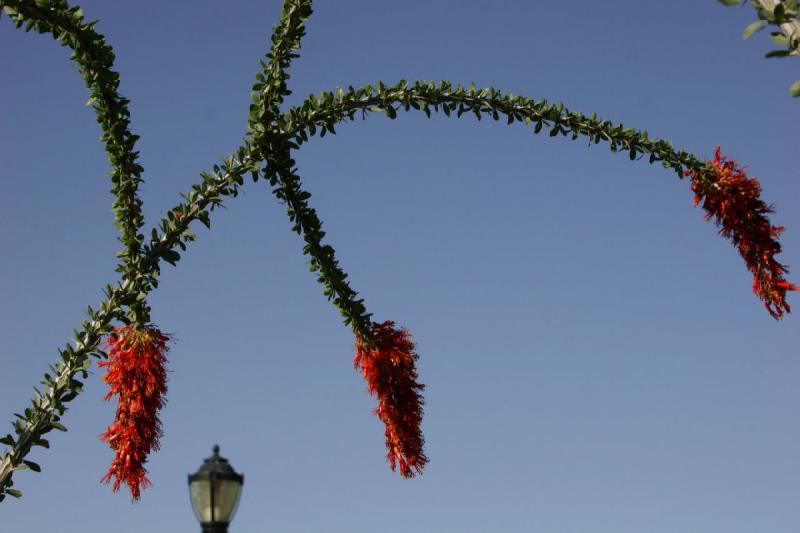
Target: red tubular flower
733	200
387	364
137	375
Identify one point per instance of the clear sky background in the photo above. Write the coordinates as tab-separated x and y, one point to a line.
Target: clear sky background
595	361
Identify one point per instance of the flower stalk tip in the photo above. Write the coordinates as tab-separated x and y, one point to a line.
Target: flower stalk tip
733	200
387	363
137	375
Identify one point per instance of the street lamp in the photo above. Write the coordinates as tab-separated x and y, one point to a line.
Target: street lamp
215	491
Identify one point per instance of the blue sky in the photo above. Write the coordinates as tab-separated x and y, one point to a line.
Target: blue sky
595	361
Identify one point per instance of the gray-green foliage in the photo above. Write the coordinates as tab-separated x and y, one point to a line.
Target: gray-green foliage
783	16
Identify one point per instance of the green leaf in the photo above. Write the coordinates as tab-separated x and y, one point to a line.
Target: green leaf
33	466
13	492
779	39
752	28
730	2
8	440
777	53
171	256
794	90
58	425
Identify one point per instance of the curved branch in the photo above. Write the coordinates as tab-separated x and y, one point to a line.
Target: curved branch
287	35
141	263
61	387
94	58
321	114
330	108
287	188
223	180
267	143
737	207
271	139
226	178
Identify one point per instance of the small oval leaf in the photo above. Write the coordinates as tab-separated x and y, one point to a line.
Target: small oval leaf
33	466
752	28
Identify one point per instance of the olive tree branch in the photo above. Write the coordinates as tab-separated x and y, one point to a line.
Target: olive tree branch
783	15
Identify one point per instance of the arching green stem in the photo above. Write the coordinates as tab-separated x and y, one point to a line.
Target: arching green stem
94	58
321	114
286	185
266	142
266	151
60	387
140	264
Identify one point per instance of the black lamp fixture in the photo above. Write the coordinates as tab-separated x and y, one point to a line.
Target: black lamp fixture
215	491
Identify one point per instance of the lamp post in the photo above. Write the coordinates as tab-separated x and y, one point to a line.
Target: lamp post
215	491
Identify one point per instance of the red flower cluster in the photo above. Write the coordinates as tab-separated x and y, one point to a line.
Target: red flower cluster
137	375
733	200
387	364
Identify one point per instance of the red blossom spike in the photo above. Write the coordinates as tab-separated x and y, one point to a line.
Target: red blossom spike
733	200
137	375
387	363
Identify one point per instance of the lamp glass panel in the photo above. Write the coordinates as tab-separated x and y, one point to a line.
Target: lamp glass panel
226	498
200	491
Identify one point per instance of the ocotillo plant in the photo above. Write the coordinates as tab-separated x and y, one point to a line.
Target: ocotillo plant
119	332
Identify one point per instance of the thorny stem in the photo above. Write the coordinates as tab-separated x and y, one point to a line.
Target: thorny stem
226	183
272	137
94	58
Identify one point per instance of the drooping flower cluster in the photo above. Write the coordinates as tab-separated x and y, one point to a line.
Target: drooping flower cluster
387	363
137	375
733	200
